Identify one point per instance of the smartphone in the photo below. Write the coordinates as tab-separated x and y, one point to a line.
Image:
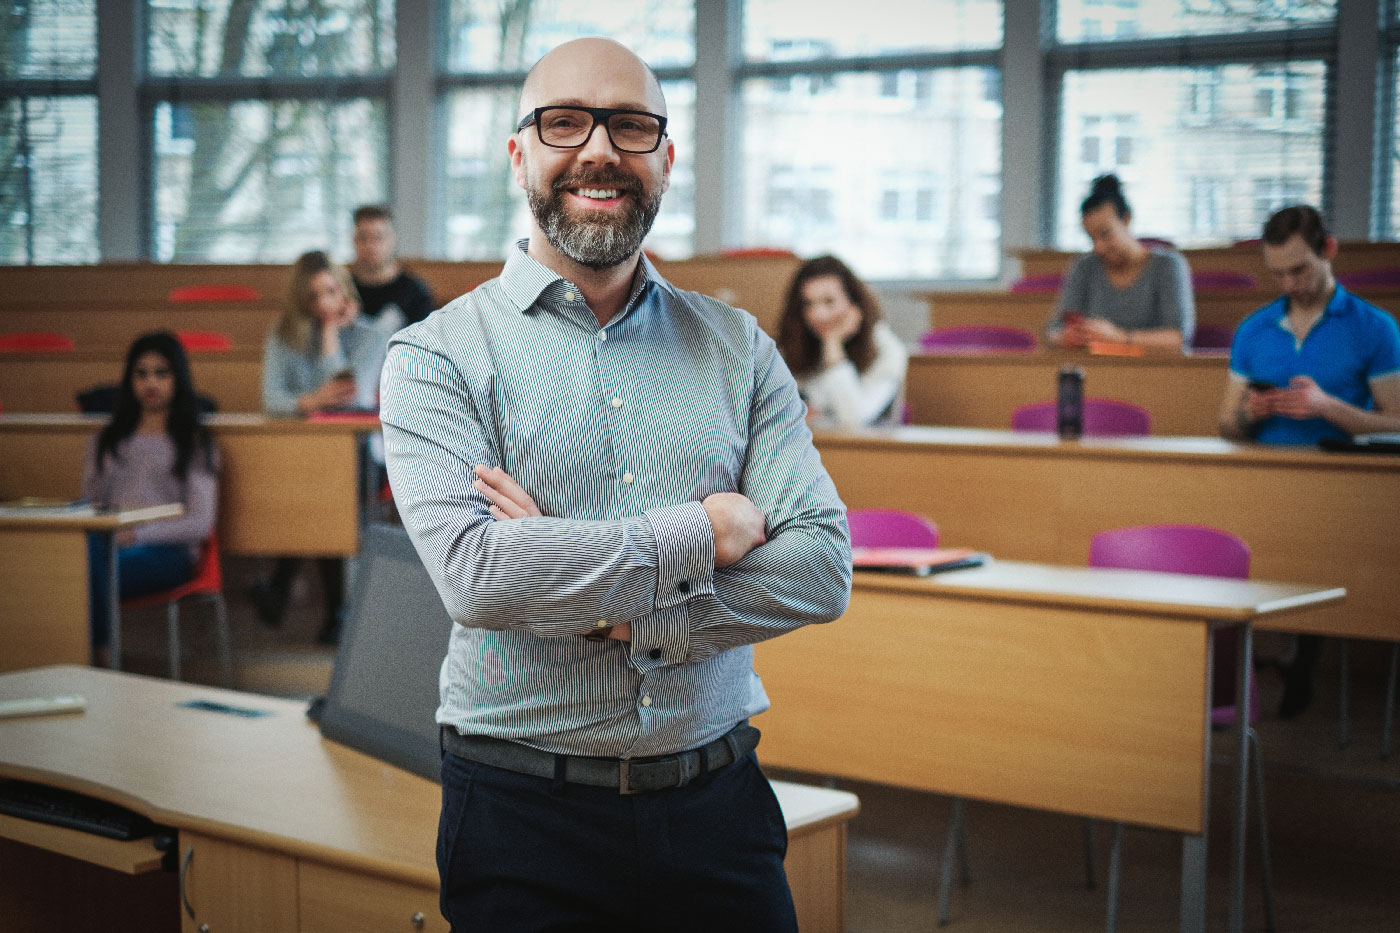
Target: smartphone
344	374
1259	385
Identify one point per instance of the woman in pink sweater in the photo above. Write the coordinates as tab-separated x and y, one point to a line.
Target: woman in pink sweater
154	450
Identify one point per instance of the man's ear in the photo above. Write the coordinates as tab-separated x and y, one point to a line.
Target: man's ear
1329	248
517	159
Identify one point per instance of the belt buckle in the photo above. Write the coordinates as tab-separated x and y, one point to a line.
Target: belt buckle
624	777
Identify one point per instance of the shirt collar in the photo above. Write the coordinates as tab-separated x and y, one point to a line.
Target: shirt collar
1339	303
527	282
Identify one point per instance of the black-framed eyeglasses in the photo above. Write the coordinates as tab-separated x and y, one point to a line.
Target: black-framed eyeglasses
634	131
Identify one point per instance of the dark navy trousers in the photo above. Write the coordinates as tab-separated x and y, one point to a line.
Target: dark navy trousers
529	855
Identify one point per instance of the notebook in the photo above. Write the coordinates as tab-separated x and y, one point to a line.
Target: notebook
918	561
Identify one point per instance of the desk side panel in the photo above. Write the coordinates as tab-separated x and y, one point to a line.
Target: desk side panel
294	494
1074	711
44	599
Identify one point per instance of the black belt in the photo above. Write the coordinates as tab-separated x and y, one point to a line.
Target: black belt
628	775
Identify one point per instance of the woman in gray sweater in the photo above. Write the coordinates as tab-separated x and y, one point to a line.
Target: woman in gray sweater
1124	291
153	451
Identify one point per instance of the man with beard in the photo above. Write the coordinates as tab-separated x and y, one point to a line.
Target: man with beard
1317	363
612	486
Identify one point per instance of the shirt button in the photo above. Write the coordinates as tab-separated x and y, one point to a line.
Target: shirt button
602	623
683	586
654	654
646	701
602	335
569	296
617	403
627	478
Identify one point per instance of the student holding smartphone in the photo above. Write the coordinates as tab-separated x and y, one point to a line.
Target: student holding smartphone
1317	363
322	355
1124	291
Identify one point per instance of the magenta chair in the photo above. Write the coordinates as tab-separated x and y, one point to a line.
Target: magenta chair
1387	277
977	339
1212	337
890	528
1103	417
1039	284
1205	551
1212	280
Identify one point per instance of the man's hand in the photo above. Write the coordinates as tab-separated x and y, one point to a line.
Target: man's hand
1303	398
738	526
508	500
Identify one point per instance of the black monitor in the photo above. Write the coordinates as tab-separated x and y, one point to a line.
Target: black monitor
384	689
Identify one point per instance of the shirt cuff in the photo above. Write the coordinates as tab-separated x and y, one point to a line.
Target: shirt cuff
685	553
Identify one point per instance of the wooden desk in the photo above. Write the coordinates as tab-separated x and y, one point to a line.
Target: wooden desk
1308	515
1084	691
50	382
981	391
44	597
287	831
289	486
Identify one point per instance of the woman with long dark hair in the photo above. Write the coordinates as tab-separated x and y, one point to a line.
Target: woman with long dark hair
154	450
848	364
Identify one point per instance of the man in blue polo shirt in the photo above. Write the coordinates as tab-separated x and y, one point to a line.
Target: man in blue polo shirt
1318	362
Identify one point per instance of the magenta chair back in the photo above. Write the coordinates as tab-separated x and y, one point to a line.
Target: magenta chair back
1103	417
1388	277
1221	279
1039	284
890	528
1212	337
976	339
1196	549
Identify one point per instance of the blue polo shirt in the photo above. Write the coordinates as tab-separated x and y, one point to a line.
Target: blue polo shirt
1353	344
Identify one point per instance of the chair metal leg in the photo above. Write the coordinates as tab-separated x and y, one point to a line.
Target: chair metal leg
1343	701
172	636
1091	873
951	843
1266	872
221	634
964	862
1389	717
1115	876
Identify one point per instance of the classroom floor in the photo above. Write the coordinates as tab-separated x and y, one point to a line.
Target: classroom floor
1334	814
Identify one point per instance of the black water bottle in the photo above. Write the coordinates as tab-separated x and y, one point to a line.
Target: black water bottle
1069	403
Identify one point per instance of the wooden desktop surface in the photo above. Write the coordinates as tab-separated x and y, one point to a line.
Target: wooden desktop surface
983	390
296	805
289	486
44	596
1073	689
1307	515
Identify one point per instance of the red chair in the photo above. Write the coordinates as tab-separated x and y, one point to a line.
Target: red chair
215	292
204	341
1151	241
1212	337
1210	552
976	338
890	528
36	341
207	583
1103	417
1039	284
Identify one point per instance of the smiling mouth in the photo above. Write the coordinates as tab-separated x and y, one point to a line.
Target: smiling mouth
597	194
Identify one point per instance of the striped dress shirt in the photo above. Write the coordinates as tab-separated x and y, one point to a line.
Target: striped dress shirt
617	433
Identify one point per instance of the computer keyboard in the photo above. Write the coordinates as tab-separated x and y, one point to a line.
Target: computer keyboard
57	807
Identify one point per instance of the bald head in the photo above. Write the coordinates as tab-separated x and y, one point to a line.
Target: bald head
595	72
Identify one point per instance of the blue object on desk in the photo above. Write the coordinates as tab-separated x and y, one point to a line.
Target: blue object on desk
209	706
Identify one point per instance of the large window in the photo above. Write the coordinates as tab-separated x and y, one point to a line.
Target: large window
268	126
1209	138
1205	154
866	137
490	46
1392	139
48	131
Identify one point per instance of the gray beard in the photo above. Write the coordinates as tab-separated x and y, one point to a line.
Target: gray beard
594	244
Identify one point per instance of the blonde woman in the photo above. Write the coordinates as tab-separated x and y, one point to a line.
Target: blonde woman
322	355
